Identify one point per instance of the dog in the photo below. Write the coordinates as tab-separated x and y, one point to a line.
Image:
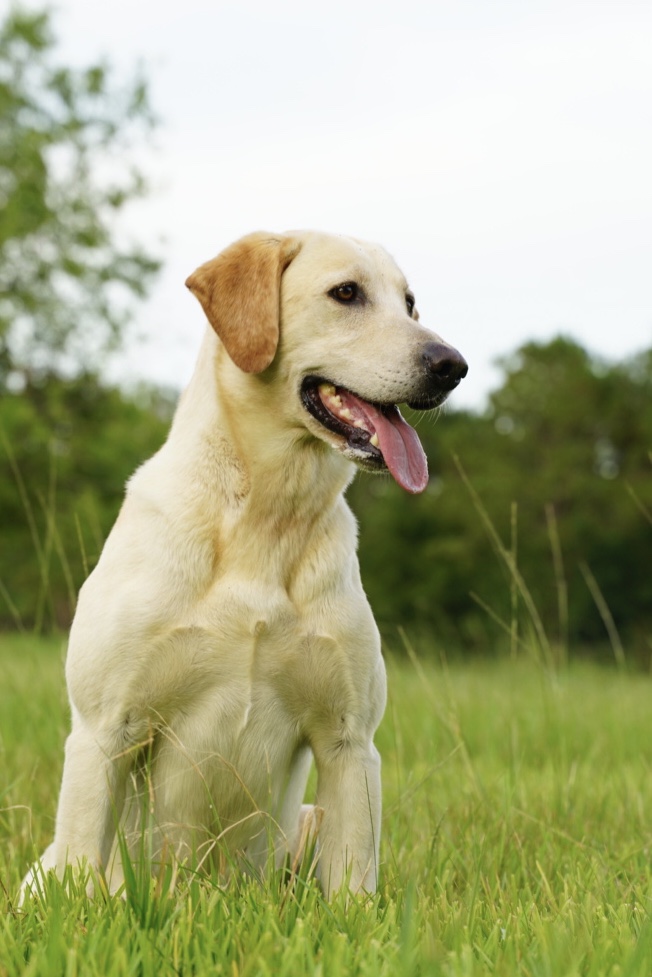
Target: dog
224	640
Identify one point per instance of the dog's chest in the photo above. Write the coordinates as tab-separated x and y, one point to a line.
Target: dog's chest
251	678
247	701
252	646
268	670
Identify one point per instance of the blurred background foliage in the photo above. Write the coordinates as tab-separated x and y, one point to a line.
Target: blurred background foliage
555	473
69	274
538	514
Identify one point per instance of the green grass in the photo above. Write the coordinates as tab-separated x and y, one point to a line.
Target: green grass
517	840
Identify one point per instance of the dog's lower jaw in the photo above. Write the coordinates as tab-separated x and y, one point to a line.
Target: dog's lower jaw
368	461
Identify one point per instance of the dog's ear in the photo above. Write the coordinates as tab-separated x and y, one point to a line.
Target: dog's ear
239	291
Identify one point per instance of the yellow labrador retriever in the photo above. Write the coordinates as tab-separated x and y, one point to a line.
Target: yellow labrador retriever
224	638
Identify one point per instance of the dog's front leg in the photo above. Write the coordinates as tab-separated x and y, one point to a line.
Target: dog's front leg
348	791
91	799
90	803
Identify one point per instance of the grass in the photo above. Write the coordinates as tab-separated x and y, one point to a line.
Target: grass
517	839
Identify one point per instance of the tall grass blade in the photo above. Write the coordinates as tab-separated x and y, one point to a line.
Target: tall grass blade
513	636
507	557
560	580
642	508
605	614
28	510
11	607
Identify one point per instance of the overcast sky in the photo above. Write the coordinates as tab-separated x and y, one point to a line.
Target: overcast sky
501	151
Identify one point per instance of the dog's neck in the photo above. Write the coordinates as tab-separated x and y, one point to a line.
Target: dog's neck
273	465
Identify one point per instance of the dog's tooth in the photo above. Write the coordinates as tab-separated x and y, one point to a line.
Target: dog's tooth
358	423
374	440
327	389
346	414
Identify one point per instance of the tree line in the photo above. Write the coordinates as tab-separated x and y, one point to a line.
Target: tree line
536	526
537	520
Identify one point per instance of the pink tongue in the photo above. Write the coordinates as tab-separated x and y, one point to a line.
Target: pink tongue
399	444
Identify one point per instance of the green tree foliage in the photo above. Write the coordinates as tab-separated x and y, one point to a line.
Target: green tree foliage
67	448
68	279
66	173
559	467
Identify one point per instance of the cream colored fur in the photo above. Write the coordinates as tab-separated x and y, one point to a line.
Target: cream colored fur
224	638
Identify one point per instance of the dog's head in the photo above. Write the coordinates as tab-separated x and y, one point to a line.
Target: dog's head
334	317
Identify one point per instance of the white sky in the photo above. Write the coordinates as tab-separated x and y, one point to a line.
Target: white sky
501	151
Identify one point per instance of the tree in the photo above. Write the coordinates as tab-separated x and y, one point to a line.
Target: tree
560	467
579	435
66	452
65	175
68	280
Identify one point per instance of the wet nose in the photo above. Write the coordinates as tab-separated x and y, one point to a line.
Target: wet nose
444	365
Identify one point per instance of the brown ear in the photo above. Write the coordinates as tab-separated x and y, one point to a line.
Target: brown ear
239	291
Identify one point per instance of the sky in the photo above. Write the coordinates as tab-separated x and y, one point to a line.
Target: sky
501	151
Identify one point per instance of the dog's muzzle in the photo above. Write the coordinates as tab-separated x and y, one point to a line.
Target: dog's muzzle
444	368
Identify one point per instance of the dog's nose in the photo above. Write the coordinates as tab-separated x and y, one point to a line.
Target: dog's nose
444	364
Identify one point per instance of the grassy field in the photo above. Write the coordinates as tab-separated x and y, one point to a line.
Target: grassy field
517	840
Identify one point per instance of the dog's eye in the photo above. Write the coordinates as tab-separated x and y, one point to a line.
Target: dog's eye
409	302
345	293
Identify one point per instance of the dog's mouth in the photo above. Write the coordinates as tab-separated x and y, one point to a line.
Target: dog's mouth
376	435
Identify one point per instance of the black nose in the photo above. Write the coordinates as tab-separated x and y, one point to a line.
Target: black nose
444	365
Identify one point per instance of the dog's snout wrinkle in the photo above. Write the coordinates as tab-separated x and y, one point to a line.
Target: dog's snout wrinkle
444	364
